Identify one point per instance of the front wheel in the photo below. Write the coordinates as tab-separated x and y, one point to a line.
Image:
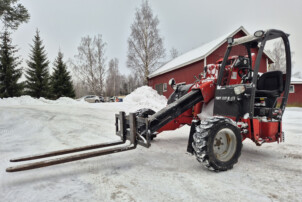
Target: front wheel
217	143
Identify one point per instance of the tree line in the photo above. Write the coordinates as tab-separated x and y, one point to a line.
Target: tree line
39	83
89	72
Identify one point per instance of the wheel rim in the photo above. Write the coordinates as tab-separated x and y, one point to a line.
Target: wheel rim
224	144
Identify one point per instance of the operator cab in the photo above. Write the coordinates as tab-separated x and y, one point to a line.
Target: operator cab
241	91
269	84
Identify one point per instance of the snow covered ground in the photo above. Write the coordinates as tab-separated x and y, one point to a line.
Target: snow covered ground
164	172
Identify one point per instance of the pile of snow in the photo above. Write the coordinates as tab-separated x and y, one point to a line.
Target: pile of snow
146	97
27	100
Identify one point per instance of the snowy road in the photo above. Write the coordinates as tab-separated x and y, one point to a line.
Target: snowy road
164	172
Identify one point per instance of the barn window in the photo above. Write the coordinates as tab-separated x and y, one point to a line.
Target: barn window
159	88
291	89
165	87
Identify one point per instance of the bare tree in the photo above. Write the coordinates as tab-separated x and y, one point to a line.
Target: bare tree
124	85
133	82
89	66
80	89
174	53
145	46
113	78
278	54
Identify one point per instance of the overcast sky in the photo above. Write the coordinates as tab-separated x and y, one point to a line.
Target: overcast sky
184	24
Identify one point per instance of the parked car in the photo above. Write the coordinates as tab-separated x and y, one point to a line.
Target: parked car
101	99
90	98
112	99
116	99
107	99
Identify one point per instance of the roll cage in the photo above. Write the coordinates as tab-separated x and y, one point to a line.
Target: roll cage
259	40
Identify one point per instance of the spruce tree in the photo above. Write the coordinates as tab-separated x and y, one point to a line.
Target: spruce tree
37	75
9	71
60	81
12	13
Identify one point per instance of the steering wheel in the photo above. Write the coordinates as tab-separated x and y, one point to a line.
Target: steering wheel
245	73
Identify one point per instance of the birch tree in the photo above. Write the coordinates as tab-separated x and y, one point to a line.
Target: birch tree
145	46
89	65
113	78
278	54
174	53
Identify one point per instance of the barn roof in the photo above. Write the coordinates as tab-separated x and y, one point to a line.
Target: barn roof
295	80
197	54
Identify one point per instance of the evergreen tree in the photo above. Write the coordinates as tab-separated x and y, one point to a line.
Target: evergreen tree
9	71
12	13
37	74
60	81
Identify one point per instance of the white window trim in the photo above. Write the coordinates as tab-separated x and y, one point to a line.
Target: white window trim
165	84
293	91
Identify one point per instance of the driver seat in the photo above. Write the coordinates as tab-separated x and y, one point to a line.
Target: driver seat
270	85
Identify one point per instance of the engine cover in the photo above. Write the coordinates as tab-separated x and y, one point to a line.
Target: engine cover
227	103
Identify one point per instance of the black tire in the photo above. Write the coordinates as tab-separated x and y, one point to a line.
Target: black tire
217	143
96	101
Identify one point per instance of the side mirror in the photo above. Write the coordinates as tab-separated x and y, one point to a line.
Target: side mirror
172	82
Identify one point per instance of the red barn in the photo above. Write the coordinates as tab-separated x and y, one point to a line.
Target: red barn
295	92
190	64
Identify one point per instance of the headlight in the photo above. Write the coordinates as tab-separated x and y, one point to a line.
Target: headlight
239	90
259	33
230	40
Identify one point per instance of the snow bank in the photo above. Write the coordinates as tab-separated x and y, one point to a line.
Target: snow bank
146	97
27	100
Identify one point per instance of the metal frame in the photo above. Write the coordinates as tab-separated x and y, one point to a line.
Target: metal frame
268	35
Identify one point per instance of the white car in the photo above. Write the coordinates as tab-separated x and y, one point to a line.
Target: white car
91	98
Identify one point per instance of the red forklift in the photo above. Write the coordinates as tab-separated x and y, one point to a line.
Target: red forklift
245	105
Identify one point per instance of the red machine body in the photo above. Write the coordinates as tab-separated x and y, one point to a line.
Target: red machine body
257	129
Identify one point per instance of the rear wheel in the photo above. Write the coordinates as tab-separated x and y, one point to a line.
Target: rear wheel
217	143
